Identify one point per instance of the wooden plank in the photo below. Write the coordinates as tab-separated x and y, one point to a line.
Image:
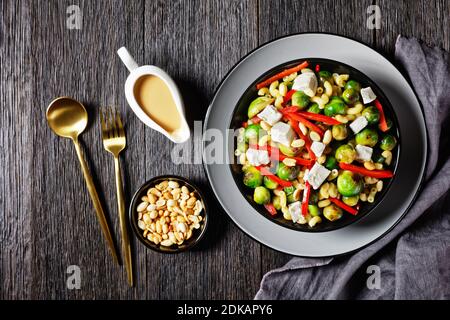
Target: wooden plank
15	143
279	18
83	64
423	19
197	43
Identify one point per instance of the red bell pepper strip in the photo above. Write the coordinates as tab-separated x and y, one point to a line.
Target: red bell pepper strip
289	109
319	117
256	120
305	201
383	124
305	138
282	74
343	206
380	174
308	124
288	96
271	209
276	154
317	67
245	124
266	172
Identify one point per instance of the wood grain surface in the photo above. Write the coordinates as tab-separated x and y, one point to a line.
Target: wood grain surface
46	217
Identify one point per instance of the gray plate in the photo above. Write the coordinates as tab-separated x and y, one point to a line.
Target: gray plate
411	163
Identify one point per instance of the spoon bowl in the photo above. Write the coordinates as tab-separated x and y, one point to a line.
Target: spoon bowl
67	117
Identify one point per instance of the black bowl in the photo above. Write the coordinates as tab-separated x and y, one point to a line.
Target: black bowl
240	115
197	233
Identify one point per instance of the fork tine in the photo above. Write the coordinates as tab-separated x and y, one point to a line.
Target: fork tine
102	120
119	124
112	121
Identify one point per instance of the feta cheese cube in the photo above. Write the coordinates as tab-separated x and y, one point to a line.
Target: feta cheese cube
363	153
295	209
367	95
306	82
257	157
270	115
282	133
317	148
358	124
317	175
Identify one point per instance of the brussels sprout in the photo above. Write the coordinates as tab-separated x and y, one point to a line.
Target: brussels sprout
339	131
325	76
270	184
300	100
252	177
289	151
257	105
352	84
388	142
253	132
351	201
335	106
276	202
389	123
377	157
345	153
287	173
289	190
313	210
242	146
332	212
350	96
371	114
313	198
367	137
314	108
349	184
331	163
261	195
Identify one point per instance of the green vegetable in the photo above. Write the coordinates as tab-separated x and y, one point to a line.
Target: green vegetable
276	202
367	137
339	131
257	105
314	108
290	198
313	210
270	184
332	212
350	96
313	197
253	132
377	157
252	177
324	76
345	153
331	163
287	173
388	142
389	123
289	151
289	190
335	106
351	201
371	114
300	99
261	195
349	184
352	84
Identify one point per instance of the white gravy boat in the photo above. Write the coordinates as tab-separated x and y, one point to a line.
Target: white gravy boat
179	135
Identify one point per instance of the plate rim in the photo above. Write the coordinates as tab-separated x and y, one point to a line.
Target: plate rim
422	178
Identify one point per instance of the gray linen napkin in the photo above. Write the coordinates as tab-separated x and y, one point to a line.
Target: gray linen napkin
414	258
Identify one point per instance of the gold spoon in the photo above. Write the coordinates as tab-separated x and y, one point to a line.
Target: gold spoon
68	118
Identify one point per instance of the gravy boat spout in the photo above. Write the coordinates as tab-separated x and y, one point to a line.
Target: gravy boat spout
181	133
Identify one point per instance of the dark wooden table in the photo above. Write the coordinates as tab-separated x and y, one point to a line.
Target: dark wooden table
46	218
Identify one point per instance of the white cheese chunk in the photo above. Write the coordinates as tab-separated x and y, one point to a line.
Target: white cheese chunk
317	175
317	148
367	95
282	133
306	82
257	157
363	153
295	209
358	124
270	115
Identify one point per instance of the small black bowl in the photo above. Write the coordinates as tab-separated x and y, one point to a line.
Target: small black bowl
240	115
197	233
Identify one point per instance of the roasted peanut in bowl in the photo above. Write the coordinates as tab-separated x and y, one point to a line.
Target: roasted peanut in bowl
168	214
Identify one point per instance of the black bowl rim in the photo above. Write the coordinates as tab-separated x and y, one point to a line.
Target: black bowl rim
133	221
306	228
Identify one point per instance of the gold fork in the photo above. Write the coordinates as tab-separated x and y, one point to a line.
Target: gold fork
114	142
